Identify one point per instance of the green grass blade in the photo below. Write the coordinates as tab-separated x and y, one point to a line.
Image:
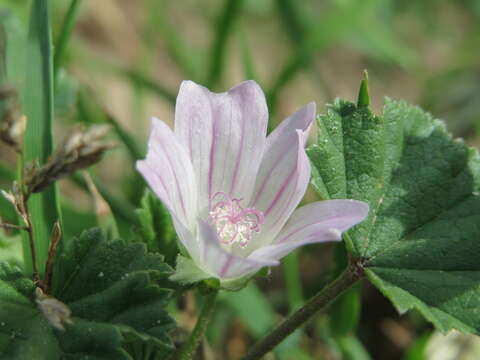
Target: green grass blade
184	56
91	112
6	174
145	82
248	65
122	209
65	33
292	281
38	107
291	18
224	26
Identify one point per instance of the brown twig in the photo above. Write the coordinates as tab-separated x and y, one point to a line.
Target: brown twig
52	251
12	227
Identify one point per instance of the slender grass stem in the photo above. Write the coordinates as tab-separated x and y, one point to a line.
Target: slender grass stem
65	33
225	25
190	347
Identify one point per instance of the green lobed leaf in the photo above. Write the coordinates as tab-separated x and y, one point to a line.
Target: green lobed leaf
156	228
420	244
112	290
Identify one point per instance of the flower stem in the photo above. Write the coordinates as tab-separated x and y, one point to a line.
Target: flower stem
190	347
349	277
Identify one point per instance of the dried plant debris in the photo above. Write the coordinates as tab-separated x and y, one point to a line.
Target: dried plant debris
55	311
80	150
12	121
17	199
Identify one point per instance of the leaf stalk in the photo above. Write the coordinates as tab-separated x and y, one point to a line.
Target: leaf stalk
325	297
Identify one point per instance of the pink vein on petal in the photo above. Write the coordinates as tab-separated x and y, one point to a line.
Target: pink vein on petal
211	158
286	237
267	176
280	192
239	157
175	177
226	266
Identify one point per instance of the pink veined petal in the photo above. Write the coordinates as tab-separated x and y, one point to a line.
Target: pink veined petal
188	239
220	263
224	135
168	171
284	173
316	222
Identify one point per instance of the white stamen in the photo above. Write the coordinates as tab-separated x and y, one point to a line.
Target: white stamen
233	223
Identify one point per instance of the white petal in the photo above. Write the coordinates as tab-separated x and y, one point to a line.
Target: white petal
284	173
168	171
220	263
317	222
225	135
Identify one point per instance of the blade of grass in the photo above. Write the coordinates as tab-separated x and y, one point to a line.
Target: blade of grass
293	284
64	35
149	84
86	102
248	65
38	144
13	49
6	174
224	26
260	317
291	19
90	111
310	39
182	54
121	209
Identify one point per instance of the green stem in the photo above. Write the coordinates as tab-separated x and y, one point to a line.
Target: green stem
190	347
348	278
65	33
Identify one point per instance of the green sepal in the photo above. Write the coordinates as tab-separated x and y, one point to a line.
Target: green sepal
156	229
187	272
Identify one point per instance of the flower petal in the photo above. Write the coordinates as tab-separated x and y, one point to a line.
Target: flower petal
317	222
221	264
224	135
284	173
168	170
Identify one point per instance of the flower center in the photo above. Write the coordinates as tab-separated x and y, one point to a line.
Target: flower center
233	223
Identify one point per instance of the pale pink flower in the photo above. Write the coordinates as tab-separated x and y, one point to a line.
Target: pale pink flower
231	190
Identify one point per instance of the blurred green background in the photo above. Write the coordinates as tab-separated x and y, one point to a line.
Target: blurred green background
125	59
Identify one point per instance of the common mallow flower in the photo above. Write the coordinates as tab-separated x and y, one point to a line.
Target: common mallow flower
231	190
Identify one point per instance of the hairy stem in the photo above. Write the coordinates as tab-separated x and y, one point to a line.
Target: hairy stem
329	293
190	347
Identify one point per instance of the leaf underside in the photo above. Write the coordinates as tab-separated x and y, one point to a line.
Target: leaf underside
421	242
113	291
